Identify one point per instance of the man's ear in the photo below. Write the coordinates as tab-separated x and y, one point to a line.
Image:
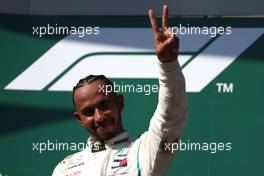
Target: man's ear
120	102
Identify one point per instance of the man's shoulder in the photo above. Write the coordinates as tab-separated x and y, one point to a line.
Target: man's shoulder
139	139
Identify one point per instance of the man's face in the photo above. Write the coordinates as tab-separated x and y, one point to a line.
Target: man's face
99	113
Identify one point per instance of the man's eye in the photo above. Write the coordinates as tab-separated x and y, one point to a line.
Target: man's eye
105	106
88	112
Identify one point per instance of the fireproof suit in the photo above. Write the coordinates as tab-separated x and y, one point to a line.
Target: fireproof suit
120	156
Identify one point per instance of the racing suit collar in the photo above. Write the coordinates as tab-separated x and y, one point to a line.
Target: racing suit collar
121	138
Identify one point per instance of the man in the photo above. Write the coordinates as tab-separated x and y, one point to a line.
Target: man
110	151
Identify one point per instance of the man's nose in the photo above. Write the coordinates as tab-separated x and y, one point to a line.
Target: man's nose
99	115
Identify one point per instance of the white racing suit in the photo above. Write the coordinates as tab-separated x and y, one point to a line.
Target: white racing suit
120	156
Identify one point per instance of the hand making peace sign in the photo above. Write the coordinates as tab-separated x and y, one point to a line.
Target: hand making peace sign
166	44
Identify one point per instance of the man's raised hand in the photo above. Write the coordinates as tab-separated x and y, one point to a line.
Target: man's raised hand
166	44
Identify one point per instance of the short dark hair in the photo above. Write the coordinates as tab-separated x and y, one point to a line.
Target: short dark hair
89	79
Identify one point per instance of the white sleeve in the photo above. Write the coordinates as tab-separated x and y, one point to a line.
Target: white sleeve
168	120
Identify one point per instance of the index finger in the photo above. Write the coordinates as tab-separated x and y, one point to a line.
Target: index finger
153	21
165	17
